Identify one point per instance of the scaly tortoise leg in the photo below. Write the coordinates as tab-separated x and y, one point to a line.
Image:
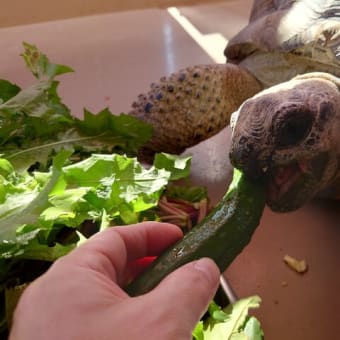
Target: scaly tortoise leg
191	105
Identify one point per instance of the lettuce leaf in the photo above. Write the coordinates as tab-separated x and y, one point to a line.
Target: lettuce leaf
101	188
35	124
37	111
117	137
7	90
230	323
39	64
177	165
25	206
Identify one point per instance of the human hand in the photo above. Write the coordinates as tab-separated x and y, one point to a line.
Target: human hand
80	296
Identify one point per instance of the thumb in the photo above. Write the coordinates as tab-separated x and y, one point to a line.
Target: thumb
187	291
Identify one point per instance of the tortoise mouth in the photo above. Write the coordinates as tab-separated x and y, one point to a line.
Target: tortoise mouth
290	186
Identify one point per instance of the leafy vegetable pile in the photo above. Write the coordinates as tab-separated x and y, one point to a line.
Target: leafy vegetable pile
63	179
231	323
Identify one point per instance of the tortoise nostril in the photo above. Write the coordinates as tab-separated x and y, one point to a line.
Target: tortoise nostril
292	130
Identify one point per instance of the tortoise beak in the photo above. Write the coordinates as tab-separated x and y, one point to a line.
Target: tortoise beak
248	160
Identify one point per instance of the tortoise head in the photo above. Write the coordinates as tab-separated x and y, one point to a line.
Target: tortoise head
289	135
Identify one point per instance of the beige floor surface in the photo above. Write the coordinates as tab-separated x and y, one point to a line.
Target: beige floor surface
21	12
115	57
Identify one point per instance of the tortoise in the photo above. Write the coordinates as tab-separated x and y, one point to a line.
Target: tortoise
279	90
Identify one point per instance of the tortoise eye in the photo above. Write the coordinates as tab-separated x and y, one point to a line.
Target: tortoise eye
294	129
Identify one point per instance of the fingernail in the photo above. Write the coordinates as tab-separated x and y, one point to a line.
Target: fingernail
209	269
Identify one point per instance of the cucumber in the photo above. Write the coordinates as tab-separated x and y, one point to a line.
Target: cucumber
222	235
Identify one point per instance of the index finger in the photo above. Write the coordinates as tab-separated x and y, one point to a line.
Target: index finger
110	251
